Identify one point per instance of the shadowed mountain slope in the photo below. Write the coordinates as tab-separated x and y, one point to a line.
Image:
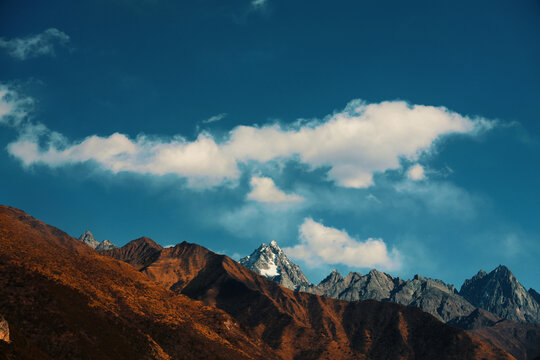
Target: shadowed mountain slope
522	340
305	326
63	300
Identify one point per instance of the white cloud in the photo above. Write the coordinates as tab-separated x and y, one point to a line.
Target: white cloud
416	172
214	118
320	244
258	4
200	161
14	110
353	144
264	190
35	45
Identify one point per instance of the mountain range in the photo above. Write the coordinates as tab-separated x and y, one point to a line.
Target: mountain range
493	306
498	292
64	300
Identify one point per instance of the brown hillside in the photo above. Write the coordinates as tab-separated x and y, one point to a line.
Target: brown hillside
519	339
65	301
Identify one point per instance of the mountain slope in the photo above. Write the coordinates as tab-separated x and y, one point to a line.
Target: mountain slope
522	340
305	326
138	253
500	293
65	301
271	261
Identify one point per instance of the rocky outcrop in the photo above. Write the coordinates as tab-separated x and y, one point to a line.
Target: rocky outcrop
4	330
433	296
500	293
535	295
105	245
270	261
88	238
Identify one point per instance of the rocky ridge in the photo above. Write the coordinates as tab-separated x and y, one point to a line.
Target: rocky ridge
430	295
105	245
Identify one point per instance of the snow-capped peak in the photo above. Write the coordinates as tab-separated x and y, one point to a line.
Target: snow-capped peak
270	261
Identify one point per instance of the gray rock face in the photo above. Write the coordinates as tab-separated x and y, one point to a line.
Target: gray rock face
4	329
105	245
501	293
535	295
88	239
432	296
271	261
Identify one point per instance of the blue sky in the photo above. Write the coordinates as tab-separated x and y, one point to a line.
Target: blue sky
402	136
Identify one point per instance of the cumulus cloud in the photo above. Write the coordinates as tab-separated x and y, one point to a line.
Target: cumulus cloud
416	172
356	142
320	244
214	118
263	189
353	144
35	45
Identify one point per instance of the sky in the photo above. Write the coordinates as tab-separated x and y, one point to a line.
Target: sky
401	136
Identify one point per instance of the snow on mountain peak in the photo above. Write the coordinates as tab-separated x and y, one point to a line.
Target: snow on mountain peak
270	261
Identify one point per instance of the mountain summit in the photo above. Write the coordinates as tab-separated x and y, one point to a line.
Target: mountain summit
270	261
502	294
88	238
